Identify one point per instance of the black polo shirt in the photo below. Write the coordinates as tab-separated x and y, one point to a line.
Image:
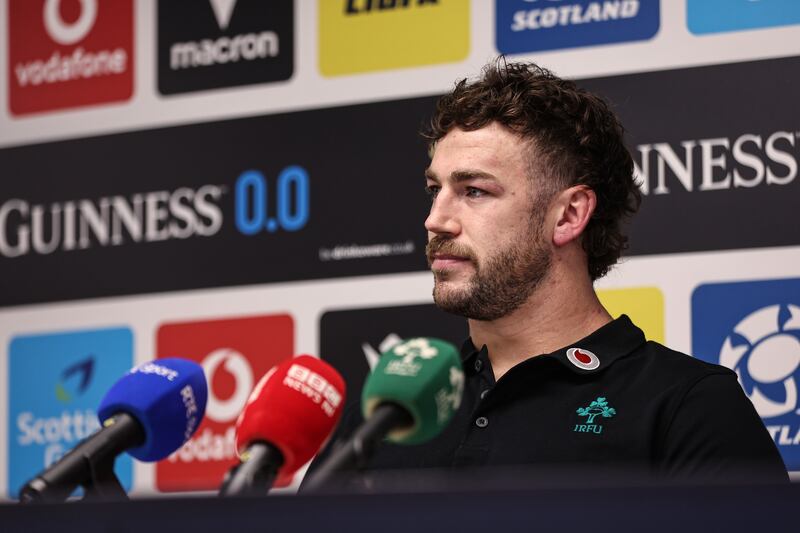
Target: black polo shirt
612	399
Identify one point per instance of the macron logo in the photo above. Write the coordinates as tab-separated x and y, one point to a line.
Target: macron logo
223	9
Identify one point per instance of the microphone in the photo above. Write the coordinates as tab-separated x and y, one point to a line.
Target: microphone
149	412
409	398
290	414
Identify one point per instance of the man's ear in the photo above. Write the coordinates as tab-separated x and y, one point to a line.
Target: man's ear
574	208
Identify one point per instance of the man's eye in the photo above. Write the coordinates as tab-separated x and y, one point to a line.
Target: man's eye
432	190
473	192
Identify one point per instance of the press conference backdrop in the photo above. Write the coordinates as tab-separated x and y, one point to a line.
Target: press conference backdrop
238	181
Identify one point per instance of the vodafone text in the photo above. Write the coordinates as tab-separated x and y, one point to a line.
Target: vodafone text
77	65
747	161
207	446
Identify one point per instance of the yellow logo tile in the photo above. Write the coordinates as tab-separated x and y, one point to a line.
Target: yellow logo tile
644	305
368	35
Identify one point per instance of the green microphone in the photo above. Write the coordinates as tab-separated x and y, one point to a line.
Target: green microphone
423	378
409	398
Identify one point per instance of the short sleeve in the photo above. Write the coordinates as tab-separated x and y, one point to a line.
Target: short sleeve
716	434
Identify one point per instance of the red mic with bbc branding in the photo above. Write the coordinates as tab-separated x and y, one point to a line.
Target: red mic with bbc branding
290	414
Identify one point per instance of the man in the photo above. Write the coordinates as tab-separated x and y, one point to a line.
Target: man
530	183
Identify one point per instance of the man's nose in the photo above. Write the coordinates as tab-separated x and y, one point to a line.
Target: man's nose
442	220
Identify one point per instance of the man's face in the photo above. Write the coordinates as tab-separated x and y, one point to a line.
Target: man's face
486	237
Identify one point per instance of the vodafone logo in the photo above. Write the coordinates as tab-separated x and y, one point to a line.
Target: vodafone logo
583	359
235	353
235	363
69	33
69	53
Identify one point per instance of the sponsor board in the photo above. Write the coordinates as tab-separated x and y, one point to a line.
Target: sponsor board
234	353
210	44
296	196
368	35
643	305
523	26
56	381
717	157
353	340
258	200
715	16
754	328
67	53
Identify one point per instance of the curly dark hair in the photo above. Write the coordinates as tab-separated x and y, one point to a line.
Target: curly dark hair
575	138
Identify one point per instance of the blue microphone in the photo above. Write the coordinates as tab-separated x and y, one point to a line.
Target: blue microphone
149	412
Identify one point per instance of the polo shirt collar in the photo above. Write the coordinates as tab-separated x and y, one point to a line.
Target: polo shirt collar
591	354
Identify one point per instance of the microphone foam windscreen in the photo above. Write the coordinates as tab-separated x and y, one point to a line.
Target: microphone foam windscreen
423	375
167	397
295	407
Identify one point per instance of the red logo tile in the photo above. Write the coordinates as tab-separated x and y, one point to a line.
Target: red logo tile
235	353
69	53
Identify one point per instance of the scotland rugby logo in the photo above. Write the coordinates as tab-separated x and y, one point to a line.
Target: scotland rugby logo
764	350
753	328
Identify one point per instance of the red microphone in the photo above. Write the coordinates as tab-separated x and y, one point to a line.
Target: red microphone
290	414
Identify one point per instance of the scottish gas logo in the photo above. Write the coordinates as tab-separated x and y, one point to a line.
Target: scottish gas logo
56	382
754	329
715	16
534	25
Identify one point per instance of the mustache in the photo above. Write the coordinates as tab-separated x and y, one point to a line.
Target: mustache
446	246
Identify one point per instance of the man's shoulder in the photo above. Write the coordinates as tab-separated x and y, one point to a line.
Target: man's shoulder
655	357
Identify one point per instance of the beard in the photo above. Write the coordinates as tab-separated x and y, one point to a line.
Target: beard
501	284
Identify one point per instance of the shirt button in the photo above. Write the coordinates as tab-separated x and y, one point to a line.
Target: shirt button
478	365
482	422
484	393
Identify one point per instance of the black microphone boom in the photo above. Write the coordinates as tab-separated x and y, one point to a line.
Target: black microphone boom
89	464
256	473
385	418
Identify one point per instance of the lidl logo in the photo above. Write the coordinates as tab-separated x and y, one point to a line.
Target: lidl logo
715	16
209	44
533	25
754	329
234	353
56	382
644	306
69	53
369	35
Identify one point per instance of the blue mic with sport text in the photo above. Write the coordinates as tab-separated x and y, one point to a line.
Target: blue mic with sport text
149	412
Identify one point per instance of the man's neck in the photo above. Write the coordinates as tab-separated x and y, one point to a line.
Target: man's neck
560	312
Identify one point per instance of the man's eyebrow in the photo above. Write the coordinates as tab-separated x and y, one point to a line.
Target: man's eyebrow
461	175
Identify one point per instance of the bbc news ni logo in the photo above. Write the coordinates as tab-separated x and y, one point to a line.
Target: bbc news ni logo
753	328
69	53
211	44
56	382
